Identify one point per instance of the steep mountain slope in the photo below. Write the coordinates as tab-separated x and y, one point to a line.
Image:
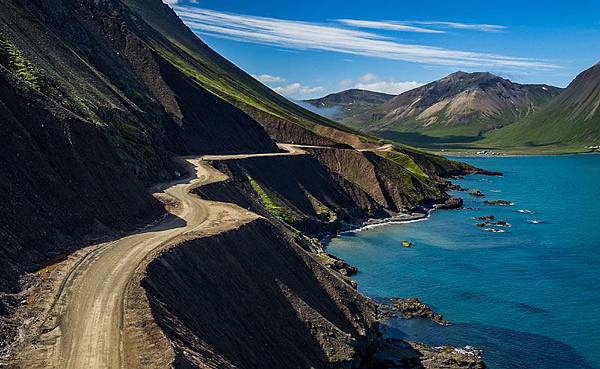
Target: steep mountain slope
98	96
570	122
458	108
350	107
90	114
284	120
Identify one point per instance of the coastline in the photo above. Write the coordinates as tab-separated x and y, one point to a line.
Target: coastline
401	218
517	154
371	223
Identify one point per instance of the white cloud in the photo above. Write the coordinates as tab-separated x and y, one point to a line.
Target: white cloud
369	77
330	37
297	90
173	2
389	87
458	25
371	82
267	78
387	25
414	26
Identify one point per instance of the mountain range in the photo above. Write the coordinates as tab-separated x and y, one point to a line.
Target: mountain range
480	110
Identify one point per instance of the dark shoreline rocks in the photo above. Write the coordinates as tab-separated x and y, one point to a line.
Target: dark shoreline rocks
409	308
396	353
450	204
337	264
457	187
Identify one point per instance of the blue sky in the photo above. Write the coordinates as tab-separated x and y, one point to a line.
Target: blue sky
306	49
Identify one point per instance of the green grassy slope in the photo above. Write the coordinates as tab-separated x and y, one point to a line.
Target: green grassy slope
569	123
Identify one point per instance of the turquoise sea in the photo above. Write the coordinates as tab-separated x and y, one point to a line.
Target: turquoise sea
529	297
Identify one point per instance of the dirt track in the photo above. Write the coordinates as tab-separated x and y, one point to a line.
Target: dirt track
84	324
82	312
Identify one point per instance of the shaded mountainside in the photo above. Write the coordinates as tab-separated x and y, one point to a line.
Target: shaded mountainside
191	56
97	97
259	302
90	114
458	108
571	121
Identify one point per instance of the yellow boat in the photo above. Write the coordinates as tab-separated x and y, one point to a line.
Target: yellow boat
407	243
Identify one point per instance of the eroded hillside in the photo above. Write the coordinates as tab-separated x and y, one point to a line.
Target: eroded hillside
96	99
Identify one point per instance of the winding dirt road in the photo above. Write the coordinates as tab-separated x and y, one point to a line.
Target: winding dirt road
82	323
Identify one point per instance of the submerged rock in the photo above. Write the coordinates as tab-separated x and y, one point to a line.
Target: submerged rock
499	203
486	217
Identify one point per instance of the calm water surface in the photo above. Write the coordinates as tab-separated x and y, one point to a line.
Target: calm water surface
530	297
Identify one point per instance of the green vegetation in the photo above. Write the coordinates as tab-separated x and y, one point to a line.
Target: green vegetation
326	259
325	213
230	83
278	211
404	161
557	130
12	58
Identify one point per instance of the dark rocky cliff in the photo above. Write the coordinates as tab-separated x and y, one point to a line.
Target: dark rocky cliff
90	114
251	298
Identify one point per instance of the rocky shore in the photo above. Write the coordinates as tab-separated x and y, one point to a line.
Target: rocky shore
394	353
399	354
409	308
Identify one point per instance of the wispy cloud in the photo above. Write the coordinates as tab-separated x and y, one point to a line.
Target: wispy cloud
458	25
173	2
387	25
418	26
267	78
297	90
333	37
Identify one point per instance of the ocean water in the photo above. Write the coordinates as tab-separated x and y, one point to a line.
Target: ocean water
529	297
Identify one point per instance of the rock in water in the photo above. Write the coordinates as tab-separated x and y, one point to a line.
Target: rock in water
475	192
499	203
451	203
410	308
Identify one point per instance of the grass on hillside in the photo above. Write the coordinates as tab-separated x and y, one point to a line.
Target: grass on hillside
12	58
234	86
278	211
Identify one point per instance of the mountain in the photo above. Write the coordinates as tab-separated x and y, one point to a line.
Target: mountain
349	106
98	99
569	122
460	107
